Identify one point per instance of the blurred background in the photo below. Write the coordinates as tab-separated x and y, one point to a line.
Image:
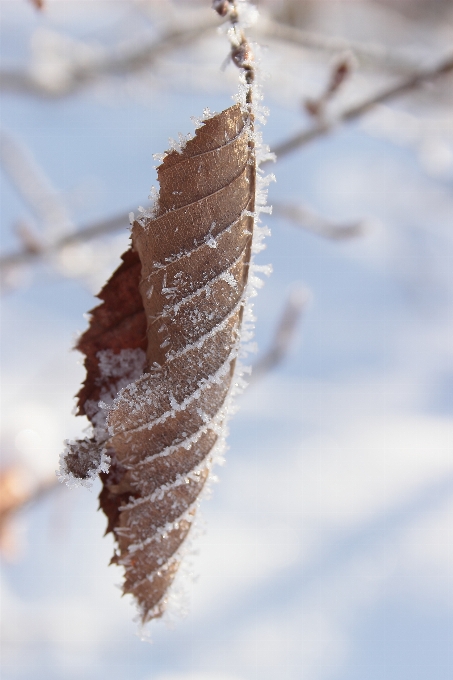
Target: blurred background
326	550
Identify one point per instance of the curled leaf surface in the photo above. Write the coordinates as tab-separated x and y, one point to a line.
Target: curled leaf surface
161	350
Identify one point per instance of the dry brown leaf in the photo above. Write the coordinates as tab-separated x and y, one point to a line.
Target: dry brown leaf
161	351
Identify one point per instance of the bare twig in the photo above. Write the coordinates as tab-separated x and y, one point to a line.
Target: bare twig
34	186
295	306
241	53
28	237
91	231
365	52
122	61
45	202
310	221
413	83
282	149
341	71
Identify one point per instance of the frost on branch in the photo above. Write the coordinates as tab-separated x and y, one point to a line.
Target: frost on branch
162	351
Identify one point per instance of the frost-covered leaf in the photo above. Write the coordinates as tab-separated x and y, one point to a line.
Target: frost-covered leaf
162	348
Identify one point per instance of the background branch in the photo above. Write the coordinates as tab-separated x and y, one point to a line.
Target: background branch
296	304
117	222
410	84
311	221
94	64
374	53
34	187
91	231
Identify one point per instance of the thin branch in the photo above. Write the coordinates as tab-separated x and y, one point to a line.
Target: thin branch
34	186
241	54
282	149
45	202
374	52
123	61
413	83
28	236
341	71
295	307
311	221
87	233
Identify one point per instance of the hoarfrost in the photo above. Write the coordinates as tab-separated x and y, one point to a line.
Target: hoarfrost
179	144
153	194
229	278
126	365
137	403
248	14
207	114
83	460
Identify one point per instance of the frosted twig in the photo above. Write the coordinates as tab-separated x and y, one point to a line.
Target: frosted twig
34	186
341	71
87	233
388	58
122	61
28	237
241	53
282	149
295	306
413	83
311	221
84	234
